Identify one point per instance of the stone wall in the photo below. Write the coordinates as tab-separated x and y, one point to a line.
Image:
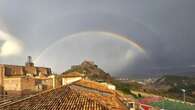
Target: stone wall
44	71
30	70
47	83
12	86
20	80
15	86
13	70
28	86
58	82
2	70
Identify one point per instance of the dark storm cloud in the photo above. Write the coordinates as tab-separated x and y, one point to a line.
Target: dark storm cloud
165	28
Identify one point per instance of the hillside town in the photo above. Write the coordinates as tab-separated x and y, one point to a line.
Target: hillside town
32	87
97	55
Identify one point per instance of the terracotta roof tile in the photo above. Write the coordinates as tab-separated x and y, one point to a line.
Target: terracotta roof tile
63	98
109	100
94	85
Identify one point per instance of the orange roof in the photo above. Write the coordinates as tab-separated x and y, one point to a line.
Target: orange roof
94	85
63	98
101	93
110	101
72	74
84	94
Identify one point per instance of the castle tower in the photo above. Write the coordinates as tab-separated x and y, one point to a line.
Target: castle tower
29	61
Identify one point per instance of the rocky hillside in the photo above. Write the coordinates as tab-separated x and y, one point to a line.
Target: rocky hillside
91	70
172	85
175	83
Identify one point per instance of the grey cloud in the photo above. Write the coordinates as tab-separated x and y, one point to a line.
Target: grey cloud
164	28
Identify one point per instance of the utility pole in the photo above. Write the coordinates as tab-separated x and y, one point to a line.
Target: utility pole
184	95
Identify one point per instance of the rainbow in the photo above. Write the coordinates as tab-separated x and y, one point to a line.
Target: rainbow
107	34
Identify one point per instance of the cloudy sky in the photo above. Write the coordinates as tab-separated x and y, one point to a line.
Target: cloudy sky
121	36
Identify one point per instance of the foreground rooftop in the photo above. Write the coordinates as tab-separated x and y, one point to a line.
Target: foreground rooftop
63	98
81	95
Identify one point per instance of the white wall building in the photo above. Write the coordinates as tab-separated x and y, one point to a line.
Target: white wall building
69	78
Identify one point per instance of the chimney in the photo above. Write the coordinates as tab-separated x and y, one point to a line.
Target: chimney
29	61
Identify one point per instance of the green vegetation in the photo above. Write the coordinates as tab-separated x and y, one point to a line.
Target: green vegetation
169	105
177	82
171	85
123	87
75	69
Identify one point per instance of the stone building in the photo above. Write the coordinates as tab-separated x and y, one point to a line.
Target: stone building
28	70
23	79
17	85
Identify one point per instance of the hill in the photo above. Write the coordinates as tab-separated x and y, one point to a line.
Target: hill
91	70
175	83
171	85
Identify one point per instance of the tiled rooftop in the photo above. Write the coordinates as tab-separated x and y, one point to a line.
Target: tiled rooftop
94	85
109	100
64	98
99	92
81	95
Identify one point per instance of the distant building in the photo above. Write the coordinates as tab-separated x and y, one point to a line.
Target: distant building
23	79
68	78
